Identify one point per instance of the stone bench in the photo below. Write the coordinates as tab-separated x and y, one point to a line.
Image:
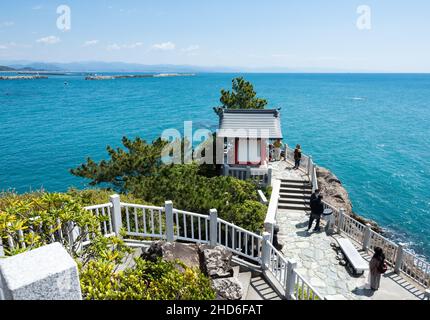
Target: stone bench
353	256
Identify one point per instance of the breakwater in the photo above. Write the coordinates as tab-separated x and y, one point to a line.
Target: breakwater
22	77
138	76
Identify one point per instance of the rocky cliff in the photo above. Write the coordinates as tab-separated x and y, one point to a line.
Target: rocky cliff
335	194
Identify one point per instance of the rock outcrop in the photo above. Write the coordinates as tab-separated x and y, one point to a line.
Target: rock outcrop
189	254
217	262
335	194
227	288
332	190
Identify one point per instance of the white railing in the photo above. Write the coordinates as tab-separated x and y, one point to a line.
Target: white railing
303	290
191	226
143	221
402	261
416	269
104	211
261	176
283	271
270	221
240	241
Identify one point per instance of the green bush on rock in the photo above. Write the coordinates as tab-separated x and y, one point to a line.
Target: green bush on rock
159	280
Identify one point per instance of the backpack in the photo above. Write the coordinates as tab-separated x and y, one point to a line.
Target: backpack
382	268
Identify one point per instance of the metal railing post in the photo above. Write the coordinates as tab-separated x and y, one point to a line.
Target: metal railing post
116	214
265	251
170	234
367	235
213	227
291	279
399	258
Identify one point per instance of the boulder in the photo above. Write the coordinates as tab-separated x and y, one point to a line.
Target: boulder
217	262
227	288
187	253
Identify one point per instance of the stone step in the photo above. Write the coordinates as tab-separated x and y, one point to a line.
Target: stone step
260	289
296	190
296	185
304	201
244	279
297	207
286	195
294	181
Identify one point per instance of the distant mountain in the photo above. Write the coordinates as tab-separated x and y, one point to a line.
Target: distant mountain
97	66
4	68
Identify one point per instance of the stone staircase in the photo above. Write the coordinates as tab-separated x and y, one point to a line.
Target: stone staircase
295	195
254	285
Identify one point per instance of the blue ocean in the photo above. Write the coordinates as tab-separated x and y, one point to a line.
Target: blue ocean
371	130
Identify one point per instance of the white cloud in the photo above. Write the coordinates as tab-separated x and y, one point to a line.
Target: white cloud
7	24
116	46
133	45
90	43
38	7
48	40
191	48
2	47
166	46
113	47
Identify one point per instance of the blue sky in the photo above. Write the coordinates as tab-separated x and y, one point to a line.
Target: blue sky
311	35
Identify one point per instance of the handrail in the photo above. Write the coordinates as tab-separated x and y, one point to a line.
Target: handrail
270	220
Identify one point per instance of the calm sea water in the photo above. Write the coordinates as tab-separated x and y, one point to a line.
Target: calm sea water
372	131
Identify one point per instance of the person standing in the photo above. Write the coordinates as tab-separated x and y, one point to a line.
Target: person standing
317	209
377	267
277	145
297	157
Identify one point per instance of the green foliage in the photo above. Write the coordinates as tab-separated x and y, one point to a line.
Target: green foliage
33	220
140	159
242	96
160	280
193	192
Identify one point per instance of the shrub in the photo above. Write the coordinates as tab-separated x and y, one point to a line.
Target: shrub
159	280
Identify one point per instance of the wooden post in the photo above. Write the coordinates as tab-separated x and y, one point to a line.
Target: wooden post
170	234
213	227
399	258
265	251
116	214
291	279
367	235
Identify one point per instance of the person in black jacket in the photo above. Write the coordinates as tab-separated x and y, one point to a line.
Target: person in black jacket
317	209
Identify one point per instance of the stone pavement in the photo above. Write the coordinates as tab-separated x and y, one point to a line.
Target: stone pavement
317	259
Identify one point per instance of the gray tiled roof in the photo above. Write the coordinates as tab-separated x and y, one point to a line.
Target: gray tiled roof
250	124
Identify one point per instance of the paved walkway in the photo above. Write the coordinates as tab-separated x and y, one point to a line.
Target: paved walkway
317	260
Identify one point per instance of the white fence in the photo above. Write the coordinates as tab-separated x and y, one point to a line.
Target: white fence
143	222
294	285
261	176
